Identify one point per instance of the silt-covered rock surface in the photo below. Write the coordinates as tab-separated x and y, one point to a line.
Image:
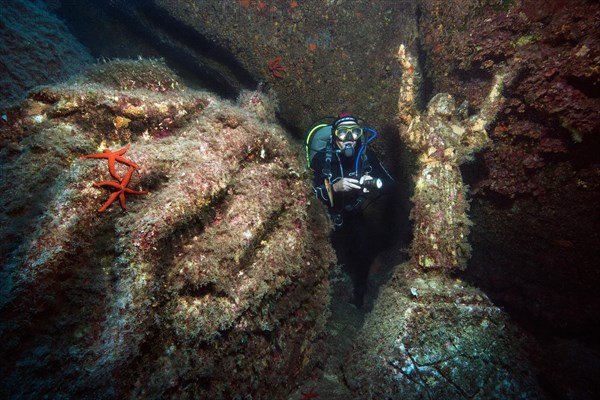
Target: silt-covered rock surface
212	284
432	337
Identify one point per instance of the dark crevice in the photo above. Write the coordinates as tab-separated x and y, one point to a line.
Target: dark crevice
272	223
153	181
426	86
476	76
140	28
586	85
190	227
474	171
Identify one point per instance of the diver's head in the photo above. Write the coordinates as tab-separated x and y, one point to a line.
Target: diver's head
346	132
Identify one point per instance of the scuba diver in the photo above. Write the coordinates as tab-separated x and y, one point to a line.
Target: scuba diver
348	178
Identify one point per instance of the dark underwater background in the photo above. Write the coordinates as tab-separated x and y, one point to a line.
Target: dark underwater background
221	282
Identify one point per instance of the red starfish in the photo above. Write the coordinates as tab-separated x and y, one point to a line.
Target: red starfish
121	187
276	68
309	395
112	157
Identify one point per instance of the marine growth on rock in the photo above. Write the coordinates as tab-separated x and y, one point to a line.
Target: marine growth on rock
217	276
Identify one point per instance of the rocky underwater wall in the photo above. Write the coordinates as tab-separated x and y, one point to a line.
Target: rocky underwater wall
532	225
210	281
37	48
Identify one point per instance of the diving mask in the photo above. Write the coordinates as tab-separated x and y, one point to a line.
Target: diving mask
344	133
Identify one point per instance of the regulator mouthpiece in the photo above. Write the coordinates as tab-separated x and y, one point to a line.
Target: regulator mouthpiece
348	150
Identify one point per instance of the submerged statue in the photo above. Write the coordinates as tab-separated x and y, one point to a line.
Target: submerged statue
443	137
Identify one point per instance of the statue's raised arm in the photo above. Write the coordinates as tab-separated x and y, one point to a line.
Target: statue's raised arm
411	78
479	123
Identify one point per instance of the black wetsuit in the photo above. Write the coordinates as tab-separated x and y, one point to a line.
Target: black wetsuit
345	203
354	237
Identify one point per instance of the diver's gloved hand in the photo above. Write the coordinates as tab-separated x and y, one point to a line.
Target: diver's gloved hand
346	185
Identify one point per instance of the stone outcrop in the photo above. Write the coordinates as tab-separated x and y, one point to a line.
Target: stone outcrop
432	337
212	284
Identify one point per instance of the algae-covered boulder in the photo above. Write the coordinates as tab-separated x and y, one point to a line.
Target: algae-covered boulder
431	337
212	283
